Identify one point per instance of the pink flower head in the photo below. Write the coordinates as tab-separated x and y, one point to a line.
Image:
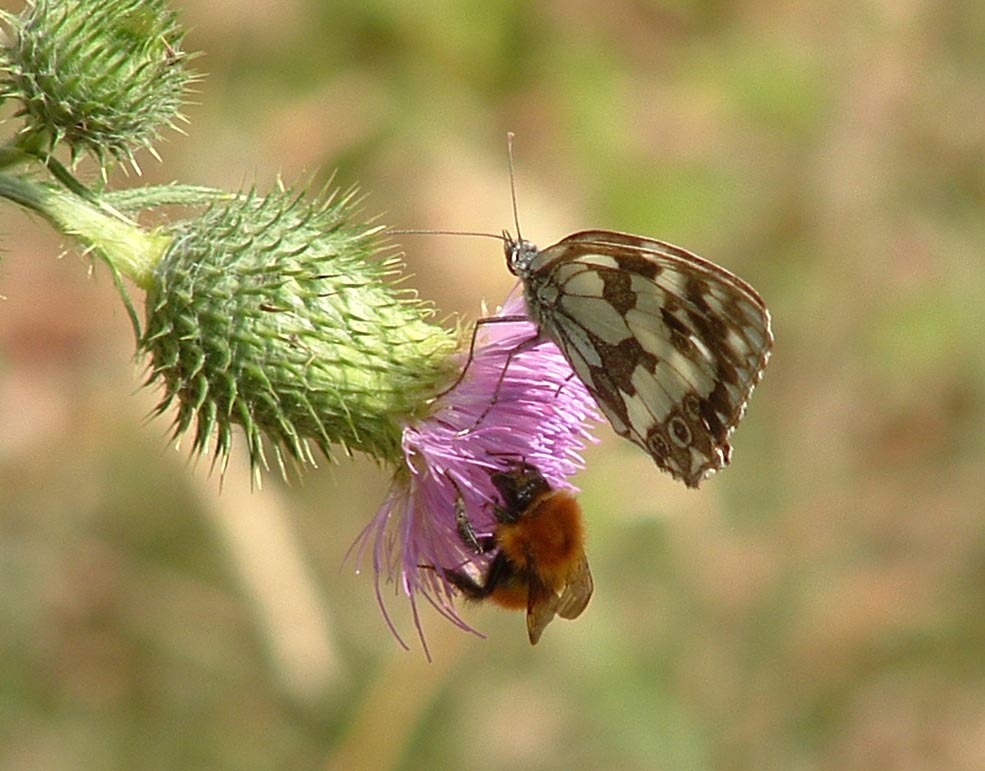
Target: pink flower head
540	413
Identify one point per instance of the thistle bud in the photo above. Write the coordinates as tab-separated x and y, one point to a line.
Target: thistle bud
100	76
265	312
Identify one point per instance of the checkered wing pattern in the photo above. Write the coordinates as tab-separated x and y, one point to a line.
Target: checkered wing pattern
669	344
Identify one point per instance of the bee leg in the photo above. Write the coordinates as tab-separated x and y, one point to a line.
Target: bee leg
499	574
466	531
466	584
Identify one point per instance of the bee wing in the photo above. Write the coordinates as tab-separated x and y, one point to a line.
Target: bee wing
576	594
542	605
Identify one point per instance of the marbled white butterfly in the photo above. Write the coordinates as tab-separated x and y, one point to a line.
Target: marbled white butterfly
669	344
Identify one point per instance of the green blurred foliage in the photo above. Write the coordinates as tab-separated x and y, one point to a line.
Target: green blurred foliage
821	604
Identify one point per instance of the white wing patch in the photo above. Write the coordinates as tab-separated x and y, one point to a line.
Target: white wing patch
669	344
606	323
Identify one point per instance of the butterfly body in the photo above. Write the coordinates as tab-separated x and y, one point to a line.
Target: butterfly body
669	344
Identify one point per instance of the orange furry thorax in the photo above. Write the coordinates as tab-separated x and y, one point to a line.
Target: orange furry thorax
547	539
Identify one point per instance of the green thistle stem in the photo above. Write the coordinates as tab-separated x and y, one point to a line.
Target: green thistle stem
141	198
14	155
132	251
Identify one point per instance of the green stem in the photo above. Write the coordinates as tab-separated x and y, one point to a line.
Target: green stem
129	249
63	175
142	198
12	155
22	192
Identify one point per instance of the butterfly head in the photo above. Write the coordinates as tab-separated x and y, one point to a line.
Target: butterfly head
519	254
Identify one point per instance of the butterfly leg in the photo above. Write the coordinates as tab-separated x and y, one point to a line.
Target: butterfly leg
567	380
475	332
494	400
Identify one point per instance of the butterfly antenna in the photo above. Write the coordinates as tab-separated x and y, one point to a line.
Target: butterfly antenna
395	232
516	216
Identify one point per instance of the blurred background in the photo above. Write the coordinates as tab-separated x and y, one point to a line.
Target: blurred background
819	605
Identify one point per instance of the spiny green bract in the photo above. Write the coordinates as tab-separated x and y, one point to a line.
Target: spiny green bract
102	76
265	313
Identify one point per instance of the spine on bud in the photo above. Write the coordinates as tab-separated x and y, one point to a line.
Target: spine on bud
101	76
266	313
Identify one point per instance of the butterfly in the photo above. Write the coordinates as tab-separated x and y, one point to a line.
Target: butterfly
669	345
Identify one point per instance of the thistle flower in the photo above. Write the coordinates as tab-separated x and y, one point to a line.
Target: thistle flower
275	313
535	411
270	313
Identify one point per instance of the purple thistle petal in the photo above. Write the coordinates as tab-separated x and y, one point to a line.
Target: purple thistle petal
542	414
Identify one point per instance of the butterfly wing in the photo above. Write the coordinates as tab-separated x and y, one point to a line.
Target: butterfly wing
670	345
